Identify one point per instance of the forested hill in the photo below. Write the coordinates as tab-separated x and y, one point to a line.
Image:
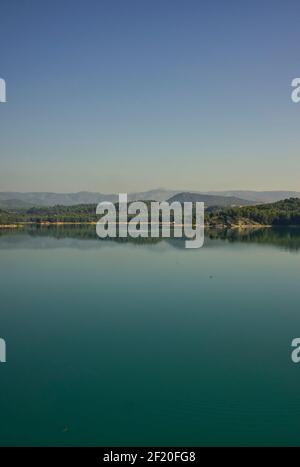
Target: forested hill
285	212
77	213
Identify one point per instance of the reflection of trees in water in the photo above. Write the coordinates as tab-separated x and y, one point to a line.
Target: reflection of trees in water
79	231
285	237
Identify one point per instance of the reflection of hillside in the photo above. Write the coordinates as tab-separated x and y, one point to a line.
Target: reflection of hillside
81	236
286	238
282	237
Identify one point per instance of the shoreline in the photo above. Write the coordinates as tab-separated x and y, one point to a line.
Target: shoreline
17	225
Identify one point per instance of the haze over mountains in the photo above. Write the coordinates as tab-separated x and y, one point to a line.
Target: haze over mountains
259	196
17	200
210	200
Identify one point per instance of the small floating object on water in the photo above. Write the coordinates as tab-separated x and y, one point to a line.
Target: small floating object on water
65	429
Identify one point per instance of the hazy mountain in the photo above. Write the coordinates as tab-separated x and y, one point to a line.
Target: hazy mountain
14	204
159	194
210	200
258	196
51	199
16	200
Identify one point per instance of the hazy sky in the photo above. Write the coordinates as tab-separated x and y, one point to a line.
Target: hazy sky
124	95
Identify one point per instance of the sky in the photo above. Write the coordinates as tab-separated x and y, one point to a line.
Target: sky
129	95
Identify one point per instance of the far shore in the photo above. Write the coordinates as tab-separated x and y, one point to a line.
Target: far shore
17	225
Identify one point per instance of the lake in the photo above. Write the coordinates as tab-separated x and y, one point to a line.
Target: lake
114	343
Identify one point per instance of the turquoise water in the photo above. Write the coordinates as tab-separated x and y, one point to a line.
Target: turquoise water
121	343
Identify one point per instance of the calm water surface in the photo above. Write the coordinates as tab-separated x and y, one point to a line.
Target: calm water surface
122	343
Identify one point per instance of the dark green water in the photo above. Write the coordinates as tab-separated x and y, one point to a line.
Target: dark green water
127	343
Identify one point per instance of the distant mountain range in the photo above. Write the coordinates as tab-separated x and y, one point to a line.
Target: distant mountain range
259	196
210	200
10	199
17	200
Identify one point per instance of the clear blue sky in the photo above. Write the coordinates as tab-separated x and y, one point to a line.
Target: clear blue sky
124	95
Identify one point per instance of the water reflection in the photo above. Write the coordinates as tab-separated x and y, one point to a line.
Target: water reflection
287	238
